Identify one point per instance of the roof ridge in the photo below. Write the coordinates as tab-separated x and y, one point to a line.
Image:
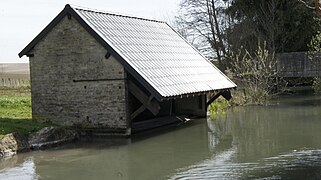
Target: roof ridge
111	13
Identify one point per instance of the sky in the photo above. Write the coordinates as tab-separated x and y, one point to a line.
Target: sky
21	20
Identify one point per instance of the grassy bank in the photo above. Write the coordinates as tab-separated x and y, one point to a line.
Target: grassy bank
15	111
15	103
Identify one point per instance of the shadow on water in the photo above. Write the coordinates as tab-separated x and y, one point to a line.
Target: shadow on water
164	130
100	142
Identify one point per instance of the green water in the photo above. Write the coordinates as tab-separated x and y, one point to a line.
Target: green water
280	141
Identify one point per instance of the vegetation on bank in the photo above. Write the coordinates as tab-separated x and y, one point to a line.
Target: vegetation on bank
256	75
218	107
15	111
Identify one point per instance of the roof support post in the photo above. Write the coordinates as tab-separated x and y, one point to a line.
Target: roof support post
137	112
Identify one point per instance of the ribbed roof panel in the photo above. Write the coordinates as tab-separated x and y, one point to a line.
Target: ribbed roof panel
162	57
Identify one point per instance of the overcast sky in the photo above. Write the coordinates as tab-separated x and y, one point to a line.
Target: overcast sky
22	20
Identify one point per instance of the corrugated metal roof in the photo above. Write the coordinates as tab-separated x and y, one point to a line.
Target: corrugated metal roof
161	56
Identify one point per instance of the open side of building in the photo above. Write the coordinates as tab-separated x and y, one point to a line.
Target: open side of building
109	73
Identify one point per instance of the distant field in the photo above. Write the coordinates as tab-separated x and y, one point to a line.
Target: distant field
14	74
14	70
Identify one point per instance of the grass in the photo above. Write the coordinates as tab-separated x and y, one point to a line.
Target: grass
15	112
15	107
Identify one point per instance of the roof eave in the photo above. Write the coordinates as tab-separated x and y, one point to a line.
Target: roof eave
196	93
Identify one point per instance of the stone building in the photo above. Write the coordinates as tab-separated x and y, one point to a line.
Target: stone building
110	73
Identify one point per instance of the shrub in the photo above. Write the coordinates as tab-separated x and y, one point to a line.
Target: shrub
218	107
256	74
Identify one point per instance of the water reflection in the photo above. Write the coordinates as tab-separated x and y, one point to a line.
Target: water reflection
18	169
261	132
217	167
276	142
147	156
282	141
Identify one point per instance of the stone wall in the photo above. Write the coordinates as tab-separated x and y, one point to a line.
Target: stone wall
72	82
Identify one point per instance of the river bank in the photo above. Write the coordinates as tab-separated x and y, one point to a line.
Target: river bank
19	132
48	137
15	112
279	141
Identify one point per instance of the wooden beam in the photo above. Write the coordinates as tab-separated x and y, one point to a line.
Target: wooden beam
149	102
209	102
225	93
137	112
89	80
154	123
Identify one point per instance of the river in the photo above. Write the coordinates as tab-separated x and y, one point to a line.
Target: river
280	141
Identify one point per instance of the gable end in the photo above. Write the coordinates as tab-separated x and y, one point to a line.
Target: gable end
70	12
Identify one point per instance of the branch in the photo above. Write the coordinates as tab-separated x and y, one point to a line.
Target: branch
306	4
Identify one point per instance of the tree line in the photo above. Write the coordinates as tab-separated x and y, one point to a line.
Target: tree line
220	27
243	36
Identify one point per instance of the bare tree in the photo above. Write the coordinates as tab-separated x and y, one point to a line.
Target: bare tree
257	74
204	20
314	5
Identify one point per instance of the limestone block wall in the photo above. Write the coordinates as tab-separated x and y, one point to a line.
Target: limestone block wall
72	82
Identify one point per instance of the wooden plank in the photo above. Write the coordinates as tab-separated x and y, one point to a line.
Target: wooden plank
154	123
137	112
149	102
